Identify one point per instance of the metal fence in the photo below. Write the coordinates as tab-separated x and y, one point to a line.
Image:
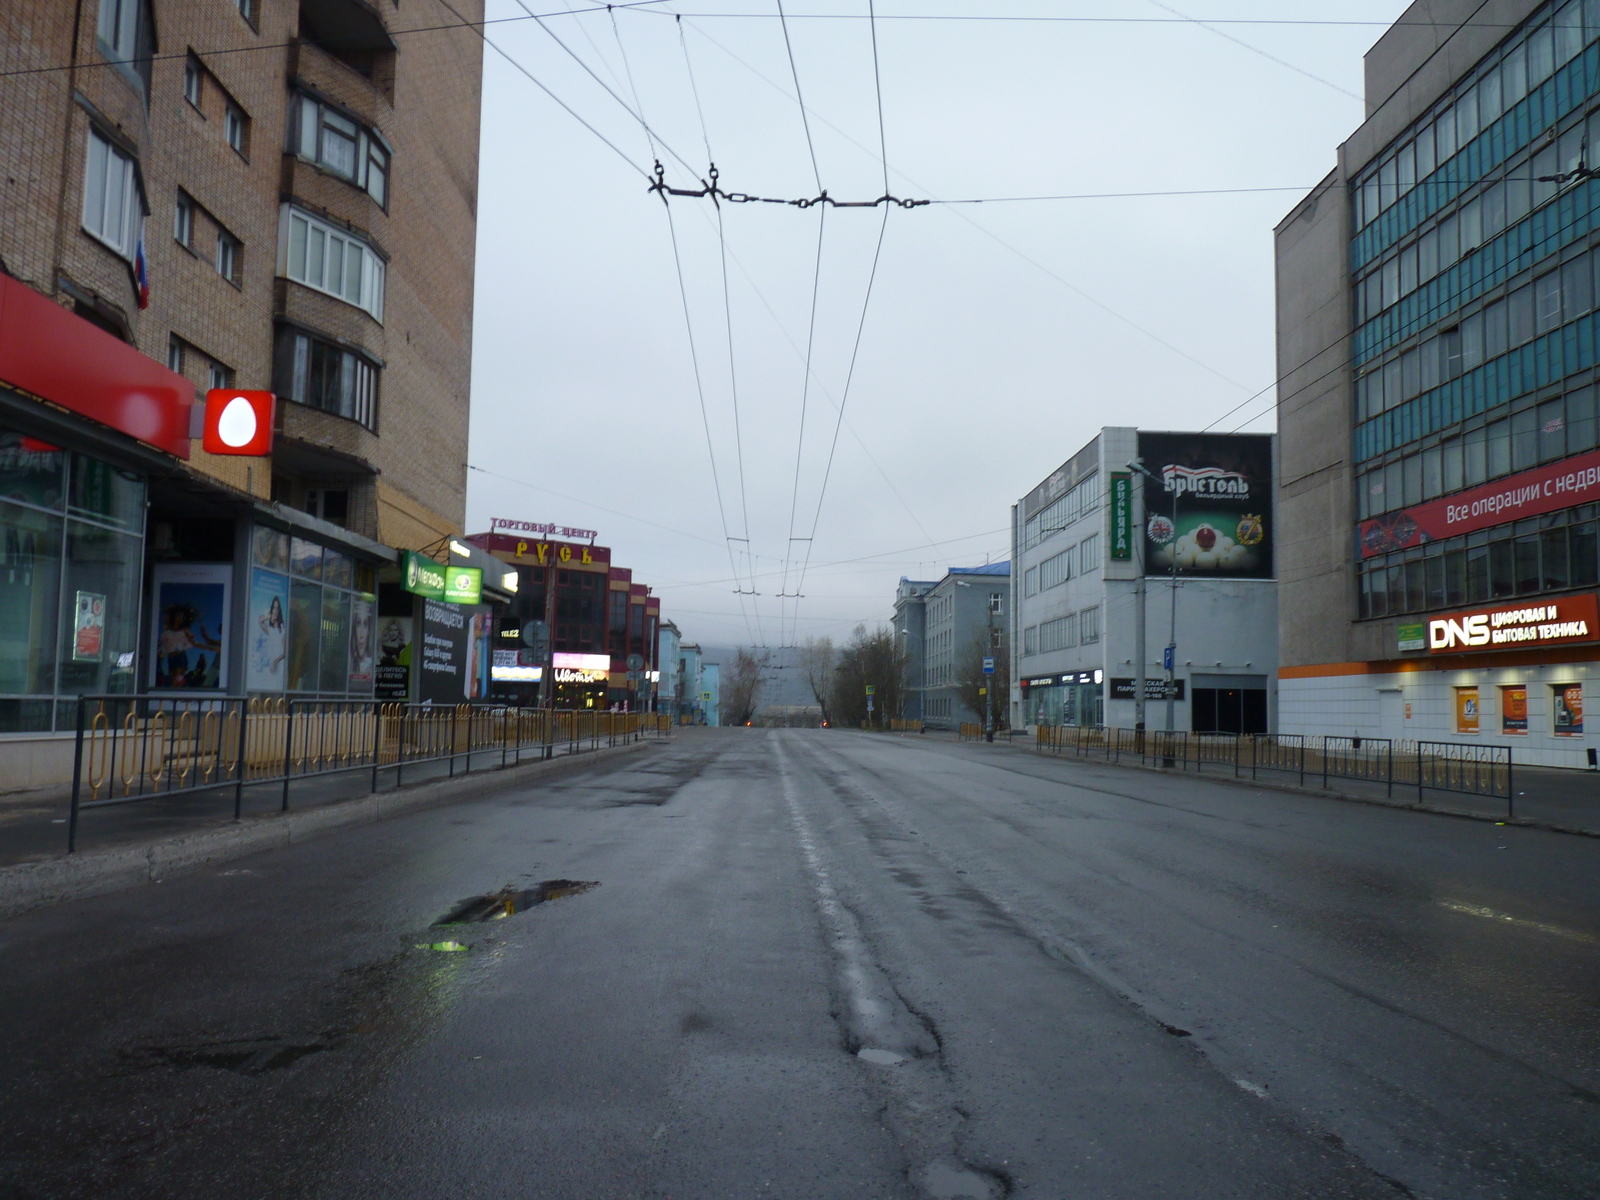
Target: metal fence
134	748
1460	767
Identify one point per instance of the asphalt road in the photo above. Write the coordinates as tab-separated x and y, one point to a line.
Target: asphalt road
825	964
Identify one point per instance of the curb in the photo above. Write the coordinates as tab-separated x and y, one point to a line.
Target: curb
32	885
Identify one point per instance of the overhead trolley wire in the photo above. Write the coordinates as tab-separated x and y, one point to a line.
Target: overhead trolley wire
590	71
866	300
1207	26
811	331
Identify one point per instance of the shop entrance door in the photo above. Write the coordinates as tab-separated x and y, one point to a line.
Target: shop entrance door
1229	704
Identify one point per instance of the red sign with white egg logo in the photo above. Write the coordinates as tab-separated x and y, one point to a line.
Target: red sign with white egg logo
239	423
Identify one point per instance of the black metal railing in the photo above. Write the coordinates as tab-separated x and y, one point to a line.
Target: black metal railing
1459	767
134	748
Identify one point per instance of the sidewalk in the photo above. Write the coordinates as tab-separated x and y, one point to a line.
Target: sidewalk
33	825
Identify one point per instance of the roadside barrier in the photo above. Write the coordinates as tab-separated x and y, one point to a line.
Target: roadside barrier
133	748
1460	767
905	725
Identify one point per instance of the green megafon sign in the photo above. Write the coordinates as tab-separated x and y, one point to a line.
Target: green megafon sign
422	576
463	585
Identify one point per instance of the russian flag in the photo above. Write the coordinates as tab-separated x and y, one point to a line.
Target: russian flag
141	275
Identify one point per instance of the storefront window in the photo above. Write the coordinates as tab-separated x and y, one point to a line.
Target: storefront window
305	635
335	639
29	576
103	494
70	590
100	629
330	648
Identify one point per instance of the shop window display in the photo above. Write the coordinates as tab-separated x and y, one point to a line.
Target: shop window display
71	553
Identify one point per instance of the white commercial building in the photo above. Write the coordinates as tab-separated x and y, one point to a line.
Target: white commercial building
1083	549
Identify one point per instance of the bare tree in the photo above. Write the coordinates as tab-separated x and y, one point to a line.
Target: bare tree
875	659
970	678
741	688
819	662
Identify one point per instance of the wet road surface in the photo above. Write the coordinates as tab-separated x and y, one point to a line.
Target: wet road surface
823	964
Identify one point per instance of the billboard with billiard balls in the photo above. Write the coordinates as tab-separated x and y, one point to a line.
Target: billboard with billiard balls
1213	510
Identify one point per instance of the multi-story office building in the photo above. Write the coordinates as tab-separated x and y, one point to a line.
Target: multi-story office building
1098	545
948	626
1440	484
270	195
910	627
668	689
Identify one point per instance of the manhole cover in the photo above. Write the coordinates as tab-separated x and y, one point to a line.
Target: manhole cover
497	906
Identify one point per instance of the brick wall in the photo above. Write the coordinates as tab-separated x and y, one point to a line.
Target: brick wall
425	101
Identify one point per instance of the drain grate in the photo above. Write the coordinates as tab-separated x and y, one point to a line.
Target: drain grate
497	906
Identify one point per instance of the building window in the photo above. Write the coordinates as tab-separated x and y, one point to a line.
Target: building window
319	374
1030	581
1089	554
333	261
331	504
229	253
996	604
1055	571
183	220
340	145
1089	626
1030	640
192	72
125	36
113	210
234	124
219	376
175	355
1057	634
247	10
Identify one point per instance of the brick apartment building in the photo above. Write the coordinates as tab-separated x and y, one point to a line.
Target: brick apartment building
294	182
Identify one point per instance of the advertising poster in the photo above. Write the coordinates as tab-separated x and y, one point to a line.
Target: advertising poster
393	675
1466	710
89	627
1222	487
442	663
189	642
479	654
266	629
1514	709
1568	709
362	644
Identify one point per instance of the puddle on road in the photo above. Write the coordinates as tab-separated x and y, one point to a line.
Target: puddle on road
507	902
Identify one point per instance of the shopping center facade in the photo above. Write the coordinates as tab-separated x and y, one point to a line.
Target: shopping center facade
1438	352
1111	564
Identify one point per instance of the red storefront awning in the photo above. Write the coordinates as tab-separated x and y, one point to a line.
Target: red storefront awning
46	350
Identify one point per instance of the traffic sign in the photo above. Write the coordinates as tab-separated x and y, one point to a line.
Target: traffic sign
871	690
1168	657
988	666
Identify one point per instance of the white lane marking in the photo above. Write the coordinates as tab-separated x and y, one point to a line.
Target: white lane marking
1489	914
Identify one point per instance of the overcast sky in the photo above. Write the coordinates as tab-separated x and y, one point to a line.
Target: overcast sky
999	337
